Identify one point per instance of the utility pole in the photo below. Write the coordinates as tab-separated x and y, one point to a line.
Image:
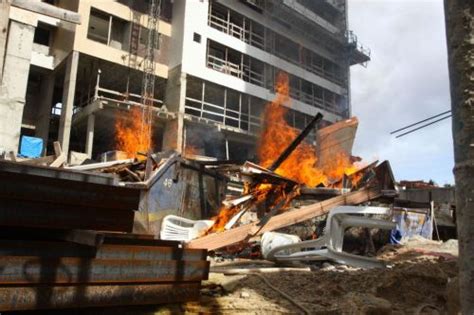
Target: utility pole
459	15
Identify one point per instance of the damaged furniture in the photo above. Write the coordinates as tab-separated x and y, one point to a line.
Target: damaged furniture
174	228
329	246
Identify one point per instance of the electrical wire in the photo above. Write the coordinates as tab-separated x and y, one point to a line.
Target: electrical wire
421	121
423	126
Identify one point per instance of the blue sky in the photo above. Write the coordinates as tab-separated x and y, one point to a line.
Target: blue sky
406	81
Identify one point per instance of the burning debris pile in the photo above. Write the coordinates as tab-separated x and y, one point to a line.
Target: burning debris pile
301	164
290	173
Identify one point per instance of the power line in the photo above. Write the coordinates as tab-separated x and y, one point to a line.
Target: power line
419	122
423	126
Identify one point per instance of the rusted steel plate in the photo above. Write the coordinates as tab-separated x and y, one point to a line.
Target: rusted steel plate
67	192
149	253
48	215
35	270
55	297
106	251
58	173
49	234
119	240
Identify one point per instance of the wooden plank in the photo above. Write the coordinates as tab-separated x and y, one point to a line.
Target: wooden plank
33	270
241	233
60	160
45	160
48	9
57	149
74	296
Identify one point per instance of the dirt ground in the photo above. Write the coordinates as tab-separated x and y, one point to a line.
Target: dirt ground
420	281
417	283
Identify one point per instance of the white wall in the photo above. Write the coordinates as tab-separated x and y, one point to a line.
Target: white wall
194	57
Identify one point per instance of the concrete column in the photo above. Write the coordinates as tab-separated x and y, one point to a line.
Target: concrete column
175	97
44	111
68	100
90	135
4	14
15	80
459	16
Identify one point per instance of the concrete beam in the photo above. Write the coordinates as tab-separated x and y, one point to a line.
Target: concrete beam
68	100
87	111
47	9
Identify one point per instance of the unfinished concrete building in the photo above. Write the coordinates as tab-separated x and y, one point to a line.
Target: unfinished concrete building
215	67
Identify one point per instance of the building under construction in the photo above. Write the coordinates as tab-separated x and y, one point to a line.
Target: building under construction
207	68
194	156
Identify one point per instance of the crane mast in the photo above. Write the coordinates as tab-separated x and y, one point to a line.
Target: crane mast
148	81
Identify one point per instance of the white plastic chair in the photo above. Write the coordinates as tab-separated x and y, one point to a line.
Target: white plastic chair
271	240
338	220
174	228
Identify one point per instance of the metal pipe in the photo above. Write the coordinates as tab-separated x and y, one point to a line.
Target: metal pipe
296	142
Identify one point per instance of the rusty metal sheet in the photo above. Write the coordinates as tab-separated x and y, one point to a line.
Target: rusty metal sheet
119	240
35	270
49	215
67	192
50	249
78	296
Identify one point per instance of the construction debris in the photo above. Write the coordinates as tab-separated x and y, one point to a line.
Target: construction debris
208	205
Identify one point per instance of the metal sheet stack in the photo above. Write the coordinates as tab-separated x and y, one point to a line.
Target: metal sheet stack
64	243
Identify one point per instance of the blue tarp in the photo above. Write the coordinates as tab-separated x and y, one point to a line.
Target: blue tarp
410	224
31	147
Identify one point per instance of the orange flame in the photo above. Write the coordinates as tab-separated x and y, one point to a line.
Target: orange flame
133	133
259	193
191	150
300	166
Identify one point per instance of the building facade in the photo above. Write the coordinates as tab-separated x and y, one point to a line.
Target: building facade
216	63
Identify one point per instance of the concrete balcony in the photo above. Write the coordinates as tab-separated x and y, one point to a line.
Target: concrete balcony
40	57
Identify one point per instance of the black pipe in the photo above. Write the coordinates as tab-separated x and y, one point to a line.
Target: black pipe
296	142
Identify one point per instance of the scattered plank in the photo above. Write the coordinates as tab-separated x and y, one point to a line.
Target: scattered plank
45	160
244	271
241	233
59	161
57	149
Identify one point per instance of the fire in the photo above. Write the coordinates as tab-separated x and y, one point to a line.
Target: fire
191	150
300	166
259	193
133	133
262	192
